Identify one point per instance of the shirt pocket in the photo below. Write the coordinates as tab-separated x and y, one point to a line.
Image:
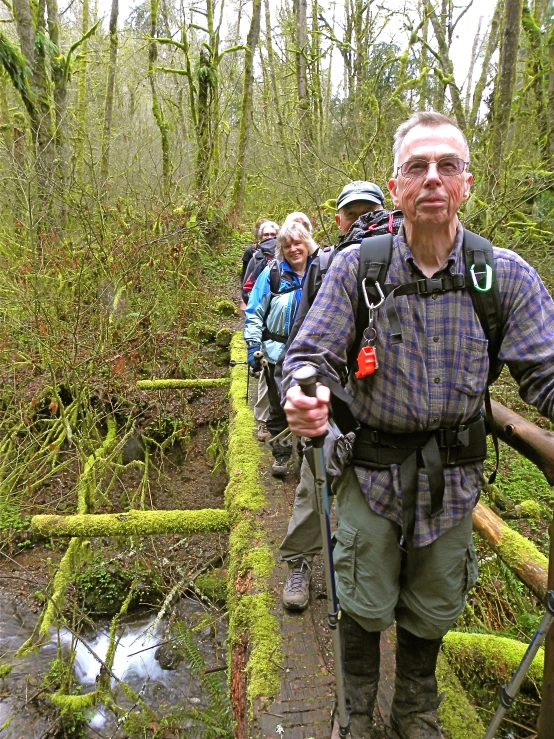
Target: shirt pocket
473	365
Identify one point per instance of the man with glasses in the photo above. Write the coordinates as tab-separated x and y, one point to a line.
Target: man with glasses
429	385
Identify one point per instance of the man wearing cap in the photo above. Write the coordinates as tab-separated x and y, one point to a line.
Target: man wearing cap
303	539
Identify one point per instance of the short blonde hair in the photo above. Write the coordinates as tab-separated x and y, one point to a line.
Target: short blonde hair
299	217
293	229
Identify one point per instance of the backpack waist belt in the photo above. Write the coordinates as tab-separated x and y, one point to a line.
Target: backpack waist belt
268	335
430	450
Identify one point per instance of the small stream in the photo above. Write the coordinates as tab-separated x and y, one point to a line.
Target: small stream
135	663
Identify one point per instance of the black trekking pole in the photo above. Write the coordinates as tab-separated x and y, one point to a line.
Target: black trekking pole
306	377
509	692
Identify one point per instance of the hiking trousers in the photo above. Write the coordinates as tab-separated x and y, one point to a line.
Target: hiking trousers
261	407
303	538
424	589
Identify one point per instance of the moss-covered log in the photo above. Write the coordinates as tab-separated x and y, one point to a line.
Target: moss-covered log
491	660
457	716
521	555
182	384
133	523
254	637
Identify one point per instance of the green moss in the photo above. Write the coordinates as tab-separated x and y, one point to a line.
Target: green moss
457	716
252	615
134	523
182	384
491	659
223	337
213	585
515	548
5	671
226	308
531	509
74	702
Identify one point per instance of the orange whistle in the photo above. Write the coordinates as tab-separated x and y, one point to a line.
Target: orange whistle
367	362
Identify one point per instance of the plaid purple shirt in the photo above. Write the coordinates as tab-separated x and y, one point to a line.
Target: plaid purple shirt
437	376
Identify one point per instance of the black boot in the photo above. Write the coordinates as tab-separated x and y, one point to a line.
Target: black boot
415	703
361	655
282	453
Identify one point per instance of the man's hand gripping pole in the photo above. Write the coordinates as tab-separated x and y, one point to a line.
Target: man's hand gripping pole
306	378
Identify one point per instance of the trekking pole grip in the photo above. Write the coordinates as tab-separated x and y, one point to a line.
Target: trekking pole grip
306	379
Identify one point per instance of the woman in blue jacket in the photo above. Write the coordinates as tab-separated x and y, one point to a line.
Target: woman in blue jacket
269	318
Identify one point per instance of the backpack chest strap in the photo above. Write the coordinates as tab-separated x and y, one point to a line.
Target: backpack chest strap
425	286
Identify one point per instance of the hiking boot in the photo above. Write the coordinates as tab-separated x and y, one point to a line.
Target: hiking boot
282	453
415	703
296	592
280	466
263	434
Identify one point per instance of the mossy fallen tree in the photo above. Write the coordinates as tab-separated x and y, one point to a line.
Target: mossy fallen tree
182	384
517	552
134	523
492	660
254	636
457	716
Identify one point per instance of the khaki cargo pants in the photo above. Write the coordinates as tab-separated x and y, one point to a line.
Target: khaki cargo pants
423	589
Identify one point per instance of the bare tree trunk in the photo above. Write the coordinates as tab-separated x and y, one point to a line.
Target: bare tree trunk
447	66
424	87
246	115
157	110
59	78
492	43
82	94
536	61
110	89
301	34
506	80
275	88
477	42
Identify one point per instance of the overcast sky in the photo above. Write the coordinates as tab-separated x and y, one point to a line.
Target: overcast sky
461	46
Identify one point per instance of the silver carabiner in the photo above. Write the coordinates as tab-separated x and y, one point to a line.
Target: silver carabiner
373	306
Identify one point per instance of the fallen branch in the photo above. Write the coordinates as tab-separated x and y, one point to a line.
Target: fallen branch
517	552
182	384
133	523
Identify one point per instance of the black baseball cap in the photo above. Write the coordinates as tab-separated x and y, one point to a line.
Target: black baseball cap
360	190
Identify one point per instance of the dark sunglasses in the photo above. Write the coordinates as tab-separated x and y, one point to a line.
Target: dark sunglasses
447	166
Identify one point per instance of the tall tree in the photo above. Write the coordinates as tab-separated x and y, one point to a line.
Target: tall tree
110	89
505	81
490	48
157	109
246	113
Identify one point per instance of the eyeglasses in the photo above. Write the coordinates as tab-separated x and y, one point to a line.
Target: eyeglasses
447	166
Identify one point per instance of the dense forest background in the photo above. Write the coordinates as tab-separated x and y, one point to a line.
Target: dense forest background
138	146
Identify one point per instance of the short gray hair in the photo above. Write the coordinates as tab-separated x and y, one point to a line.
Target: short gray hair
267	222
293	229
299	217
429	119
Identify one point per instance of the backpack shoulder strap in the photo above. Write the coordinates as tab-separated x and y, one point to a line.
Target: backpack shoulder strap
375	257
485	296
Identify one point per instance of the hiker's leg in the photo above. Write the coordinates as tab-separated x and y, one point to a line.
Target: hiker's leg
277	420
261	407
437	579
303	538
367	557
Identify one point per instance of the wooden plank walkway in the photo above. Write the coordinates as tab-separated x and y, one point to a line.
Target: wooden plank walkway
302	709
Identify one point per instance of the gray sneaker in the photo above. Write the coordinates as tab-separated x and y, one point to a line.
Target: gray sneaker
296	592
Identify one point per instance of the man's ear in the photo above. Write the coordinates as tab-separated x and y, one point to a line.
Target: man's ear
467	186
337	220
394	192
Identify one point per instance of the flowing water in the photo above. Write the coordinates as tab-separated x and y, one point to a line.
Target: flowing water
135	663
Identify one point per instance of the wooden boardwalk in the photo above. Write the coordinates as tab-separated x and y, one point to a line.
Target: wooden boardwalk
302	709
